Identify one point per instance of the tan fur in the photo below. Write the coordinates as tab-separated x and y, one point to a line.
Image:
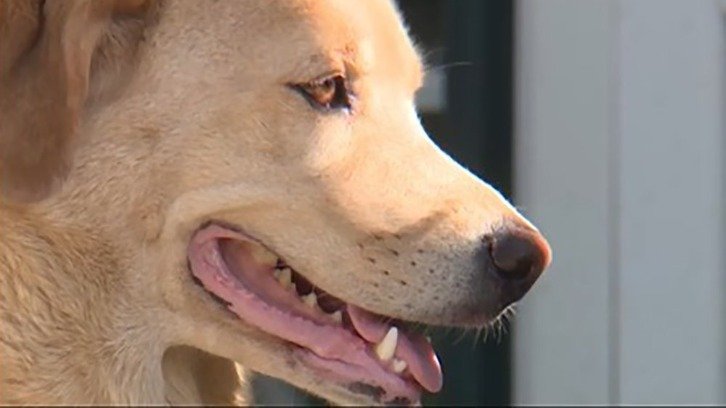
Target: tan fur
126	124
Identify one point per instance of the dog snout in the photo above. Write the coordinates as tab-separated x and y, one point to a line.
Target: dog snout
518	256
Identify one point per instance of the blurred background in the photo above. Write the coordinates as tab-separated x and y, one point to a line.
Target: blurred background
604	121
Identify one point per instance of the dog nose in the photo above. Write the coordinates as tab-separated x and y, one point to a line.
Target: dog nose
519	256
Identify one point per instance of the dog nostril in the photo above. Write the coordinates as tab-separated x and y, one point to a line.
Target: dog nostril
518	254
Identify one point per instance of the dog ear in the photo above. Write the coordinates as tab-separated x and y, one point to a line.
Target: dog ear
49	52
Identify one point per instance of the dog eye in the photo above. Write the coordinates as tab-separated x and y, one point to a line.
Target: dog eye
330	93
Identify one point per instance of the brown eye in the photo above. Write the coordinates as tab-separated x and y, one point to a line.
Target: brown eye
330	93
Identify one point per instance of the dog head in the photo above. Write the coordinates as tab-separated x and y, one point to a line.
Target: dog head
262	166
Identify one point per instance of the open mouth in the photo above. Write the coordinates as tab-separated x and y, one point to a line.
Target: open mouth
366	353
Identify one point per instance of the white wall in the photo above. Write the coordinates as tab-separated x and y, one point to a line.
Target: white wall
621	158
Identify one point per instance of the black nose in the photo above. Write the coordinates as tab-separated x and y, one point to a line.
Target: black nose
519	255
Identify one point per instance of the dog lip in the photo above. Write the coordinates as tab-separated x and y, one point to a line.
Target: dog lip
327	347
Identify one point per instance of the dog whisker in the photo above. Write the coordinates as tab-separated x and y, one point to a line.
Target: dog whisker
443	67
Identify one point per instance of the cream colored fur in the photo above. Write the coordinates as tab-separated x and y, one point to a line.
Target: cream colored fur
126	124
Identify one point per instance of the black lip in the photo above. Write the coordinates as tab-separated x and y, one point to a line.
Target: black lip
373	391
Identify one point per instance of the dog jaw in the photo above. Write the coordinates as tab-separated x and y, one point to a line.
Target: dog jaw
355	348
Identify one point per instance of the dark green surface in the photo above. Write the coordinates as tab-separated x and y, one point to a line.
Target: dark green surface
476	129
472	41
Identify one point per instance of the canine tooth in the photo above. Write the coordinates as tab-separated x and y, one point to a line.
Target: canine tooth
285	277
398	366
387	346
276	273
337	316
310	299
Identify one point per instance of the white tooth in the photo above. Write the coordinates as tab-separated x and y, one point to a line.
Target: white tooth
310	299
387	346
276	273
399	365
337	316
285	277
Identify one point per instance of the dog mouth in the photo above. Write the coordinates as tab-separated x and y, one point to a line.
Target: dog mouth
364	352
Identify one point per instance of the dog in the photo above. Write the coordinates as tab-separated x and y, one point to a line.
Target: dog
195	190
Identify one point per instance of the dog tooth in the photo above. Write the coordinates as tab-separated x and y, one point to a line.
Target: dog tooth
310	299
386	347
285	277
276	273
399	365
337	316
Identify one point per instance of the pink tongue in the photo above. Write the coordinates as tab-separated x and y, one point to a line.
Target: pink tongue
412	348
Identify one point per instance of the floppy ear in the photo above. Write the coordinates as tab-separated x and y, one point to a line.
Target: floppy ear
49	51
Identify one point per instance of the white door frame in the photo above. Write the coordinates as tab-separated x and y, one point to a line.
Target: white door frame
620	157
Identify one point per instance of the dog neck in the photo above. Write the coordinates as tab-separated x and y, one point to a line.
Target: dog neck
71	329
